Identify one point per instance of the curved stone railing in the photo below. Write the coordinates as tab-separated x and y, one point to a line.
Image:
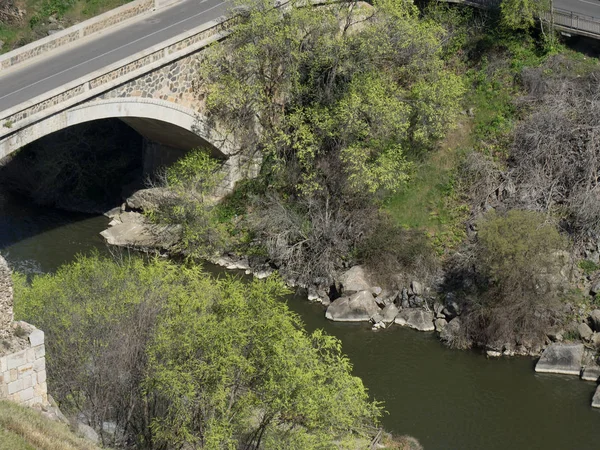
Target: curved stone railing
93	84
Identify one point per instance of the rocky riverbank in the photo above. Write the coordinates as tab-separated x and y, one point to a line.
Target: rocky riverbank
355	297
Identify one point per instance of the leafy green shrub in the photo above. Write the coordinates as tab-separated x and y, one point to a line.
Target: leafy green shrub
518	258
588	266
192	181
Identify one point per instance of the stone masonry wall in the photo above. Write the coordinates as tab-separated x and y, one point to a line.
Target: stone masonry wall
22	373
6	299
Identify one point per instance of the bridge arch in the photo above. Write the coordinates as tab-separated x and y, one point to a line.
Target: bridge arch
158	120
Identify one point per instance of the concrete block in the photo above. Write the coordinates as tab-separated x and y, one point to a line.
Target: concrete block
16	359
15	386
30	355
14	374
3	364
27	381
41	377
36	338
40	351
25	369
26	394
39	365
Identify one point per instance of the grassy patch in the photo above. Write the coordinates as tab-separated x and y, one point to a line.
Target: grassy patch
35	23
429	202
26	429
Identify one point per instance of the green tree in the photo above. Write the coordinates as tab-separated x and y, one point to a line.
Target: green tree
521	14
178	358
237	368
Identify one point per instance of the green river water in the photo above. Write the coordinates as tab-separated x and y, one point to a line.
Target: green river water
449	400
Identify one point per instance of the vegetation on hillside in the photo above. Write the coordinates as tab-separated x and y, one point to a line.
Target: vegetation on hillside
22	428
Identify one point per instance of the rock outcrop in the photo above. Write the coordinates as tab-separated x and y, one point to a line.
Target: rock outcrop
354	280
359	307
561	358
417	319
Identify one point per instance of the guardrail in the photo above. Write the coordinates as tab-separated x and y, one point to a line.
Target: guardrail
103	80
561	19
570	21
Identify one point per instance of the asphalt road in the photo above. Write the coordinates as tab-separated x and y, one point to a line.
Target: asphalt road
22	84
583	7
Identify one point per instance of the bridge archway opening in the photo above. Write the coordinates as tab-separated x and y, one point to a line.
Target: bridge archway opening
89	160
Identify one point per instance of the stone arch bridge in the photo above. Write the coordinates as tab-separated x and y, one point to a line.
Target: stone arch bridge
151	91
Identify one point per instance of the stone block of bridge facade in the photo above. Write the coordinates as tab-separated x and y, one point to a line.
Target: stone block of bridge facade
22	371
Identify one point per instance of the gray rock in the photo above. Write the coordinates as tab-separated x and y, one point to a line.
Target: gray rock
591	372
416	319
561	358
449	331
377	317
417	288
142	235
404	295
87	432
359	307
389	313
354	280
595	319
405	303
113	212
585	332
596	399
149	199
376	290
437	309
440	324
416	301
595	288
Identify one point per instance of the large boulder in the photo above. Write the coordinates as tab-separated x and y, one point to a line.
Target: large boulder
149	199
389	313
595	319
561	358
415	318
142	235
359	307
596	399
591	372
585	332
354	280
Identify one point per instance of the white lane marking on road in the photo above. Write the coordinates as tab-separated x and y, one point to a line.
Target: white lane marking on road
111	51
590	3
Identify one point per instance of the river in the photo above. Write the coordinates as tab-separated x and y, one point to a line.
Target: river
449	400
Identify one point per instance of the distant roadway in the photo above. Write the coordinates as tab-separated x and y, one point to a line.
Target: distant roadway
582	7
62	66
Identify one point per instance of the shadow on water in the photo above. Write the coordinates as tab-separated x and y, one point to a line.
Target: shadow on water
86	167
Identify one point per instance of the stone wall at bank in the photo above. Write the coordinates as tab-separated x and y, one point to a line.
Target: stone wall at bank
22	371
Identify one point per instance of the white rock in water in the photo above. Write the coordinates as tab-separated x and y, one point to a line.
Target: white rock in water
417	319
561	358
359	307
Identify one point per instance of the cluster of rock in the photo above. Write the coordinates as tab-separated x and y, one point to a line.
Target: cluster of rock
361	301
571	359
130	228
